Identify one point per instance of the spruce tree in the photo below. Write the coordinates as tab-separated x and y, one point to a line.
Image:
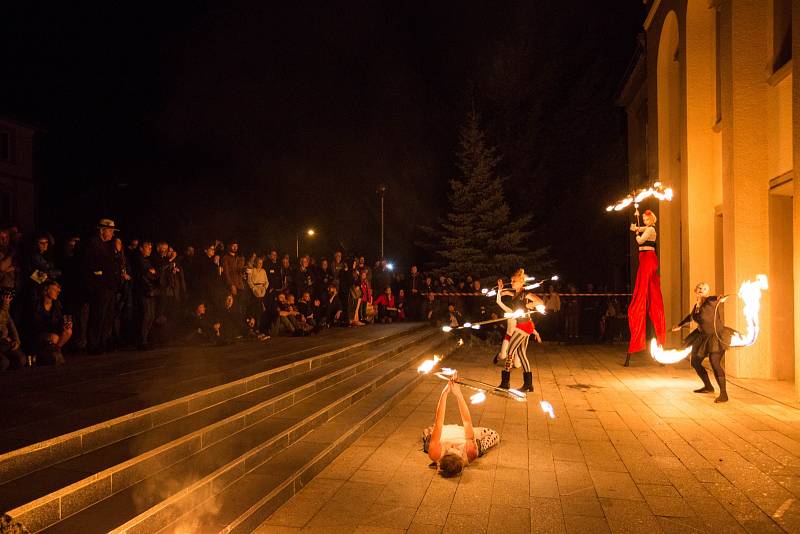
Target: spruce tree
479	234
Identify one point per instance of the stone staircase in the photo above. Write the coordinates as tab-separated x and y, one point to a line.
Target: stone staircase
217	460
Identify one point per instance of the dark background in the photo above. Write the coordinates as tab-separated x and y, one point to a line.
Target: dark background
198	120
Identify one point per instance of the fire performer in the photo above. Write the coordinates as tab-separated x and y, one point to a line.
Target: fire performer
453	447
521	302
647	291
707	340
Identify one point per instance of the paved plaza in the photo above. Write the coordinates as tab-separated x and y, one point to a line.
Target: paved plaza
630	450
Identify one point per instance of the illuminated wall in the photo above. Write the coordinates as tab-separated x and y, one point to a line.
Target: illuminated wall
722	104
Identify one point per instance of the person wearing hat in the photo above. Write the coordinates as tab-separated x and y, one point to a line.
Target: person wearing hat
98	273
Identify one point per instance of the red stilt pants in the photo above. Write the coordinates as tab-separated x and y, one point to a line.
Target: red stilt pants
646	298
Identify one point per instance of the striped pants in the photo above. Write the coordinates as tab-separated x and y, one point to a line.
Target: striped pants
518	348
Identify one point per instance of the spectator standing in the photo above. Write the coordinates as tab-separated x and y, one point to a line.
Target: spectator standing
146	290
233	269
98	270
273	269
210	283
258	282
414	295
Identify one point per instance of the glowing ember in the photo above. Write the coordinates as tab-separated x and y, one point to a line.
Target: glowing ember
750	293
514	315
478	397
476	327
667	356
428	365
547	408
447	328
447	371
540	308
467	325
460	342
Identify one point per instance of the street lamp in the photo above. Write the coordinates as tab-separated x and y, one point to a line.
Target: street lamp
310	233
382	192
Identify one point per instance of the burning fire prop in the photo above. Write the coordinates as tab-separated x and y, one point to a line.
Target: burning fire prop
493	292
750	294
480	388
657	190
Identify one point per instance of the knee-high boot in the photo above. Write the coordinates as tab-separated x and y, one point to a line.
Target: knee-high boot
527	384
505	382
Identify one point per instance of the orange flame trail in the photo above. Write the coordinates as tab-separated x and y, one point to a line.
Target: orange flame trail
750	293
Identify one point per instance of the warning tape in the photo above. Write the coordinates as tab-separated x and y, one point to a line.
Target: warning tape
440	294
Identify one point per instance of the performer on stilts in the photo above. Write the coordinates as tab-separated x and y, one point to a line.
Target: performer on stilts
647	291
523	328
453	447
709	339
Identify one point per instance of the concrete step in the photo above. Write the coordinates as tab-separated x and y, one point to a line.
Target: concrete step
144	412
73	484
164	496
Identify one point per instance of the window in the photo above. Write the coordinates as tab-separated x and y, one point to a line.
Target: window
781	32
5	146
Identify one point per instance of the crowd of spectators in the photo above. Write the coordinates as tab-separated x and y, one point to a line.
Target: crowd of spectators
103	294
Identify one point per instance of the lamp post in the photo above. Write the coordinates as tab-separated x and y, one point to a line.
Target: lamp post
310	232
382	192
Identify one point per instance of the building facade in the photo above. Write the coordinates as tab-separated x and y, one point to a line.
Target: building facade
17	178
713	106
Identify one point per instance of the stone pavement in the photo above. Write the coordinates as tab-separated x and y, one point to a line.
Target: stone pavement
631	450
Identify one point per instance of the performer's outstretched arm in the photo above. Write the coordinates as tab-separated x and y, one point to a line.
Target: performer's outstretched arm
499	298
435	447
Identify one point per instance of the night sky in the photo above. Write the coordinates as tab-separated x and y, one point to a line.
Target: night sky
200	120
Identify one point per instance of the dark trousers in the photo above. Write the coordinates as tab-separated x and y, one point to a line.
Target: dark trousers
101	302
147	314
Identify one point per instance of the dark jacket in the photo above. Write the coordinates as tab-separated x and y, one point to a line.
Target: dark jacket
145	281
98	264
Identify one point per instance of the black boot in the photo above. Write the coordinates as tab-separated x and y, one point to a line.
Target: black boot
527	384
723	393
505	383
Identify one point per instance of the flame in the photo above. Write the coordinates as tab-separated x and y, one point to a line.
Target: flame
447	328
460	342
517	395
540	308
667	356
467	325
446	371
750	293
476	327
516	314
428	365
657	190
478	397
547	408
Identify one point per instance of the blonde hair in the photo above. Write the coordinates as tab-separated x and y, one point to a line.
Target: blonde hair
652	215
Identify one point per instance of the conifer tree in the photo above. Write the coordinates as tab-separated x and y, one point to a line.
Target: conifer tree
479	234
